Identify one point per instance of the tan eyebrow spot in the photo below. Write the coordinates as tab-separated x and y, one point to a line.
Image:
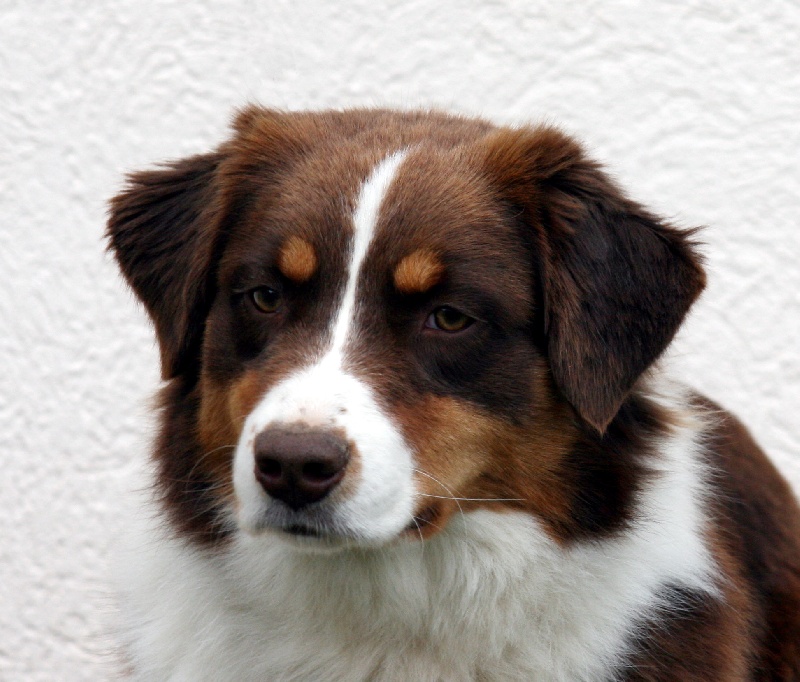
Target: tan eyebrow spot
297	259
418	272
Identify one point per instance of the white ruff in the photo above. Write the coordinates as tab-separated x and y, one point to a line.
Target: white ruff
489	598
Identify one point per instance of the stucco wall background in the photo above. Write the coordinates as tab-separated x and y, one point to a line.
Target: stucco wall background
694	105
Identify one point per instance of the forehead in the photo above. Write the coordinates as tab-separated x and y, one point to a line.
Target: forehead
440	203
436	200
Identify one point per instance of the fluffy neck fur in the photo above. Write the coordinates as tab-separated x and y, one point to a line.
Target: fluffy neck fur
490	597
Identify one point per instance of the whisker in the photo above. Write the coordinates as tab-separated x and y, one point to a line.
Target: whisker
436	480
431	523
476	499
188	480
218	521
205	455
419	529
206	486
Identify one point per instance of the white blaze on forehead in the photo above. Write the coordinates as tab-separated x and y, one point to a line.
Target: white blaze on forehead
365	220
323	394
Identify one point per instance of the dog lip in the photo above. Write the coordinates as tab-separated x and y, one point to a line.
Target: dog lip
312	527
301	530
314	536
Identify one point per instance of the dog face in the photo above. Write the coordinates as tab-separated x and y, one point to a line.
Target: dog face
372	320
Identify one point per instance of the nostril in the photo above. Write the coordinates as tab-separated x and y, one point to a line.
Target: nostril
270	467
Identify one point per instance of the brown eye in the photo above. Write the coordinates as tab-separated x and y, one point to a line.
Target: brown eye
448	319
266	300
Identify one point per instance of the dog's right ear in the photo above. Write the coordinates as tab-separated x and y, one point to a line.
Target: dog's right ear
162	229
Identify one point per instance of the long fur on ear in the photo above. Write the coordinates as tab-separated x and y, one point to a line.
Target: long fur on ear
616	280
162	230
166	225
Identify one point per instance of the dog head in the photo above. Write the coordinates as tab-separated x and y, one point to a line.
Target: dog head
370	319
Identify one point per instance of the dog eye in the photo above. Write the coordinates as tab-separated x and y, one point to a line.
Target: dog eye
266	299
448	319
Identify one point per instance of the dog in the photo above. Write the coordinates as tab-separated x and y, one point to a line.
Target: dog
413	425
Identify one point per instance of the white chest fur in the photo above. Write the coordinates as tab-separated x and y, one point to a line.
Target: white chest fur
490	598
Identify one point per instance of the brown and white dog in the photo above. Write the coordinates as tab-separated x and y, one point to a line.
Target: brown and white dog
412	429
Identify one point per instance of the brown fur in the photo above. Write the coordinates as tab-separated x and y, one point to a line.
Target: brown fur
539	406
760	532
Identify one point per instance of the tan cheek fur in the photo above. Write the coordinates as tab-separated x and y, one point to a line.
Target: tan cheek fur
297	259
485	462
418	272
223	410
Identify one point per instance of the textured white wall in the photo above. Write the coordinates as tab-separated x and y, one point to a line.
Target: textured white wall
695	105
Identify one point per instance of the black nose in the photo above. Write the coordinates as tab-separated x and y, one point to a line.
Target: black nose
299	467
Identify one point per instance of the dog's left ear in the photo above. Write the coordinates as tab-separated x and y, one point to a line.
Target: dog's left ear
616	281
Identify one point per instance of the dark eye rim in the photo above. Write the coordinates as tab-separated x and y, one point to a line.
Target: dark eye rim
431	321
252	297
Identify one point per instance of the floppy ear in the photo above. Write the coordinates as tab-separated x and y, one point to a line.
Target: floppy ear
162	230
167	224
616	280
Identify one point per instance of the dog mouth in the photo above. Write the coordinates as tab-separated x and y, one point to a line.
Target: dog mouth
321	527
312	537
309	528
321	535
302	531
421	525
306	525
